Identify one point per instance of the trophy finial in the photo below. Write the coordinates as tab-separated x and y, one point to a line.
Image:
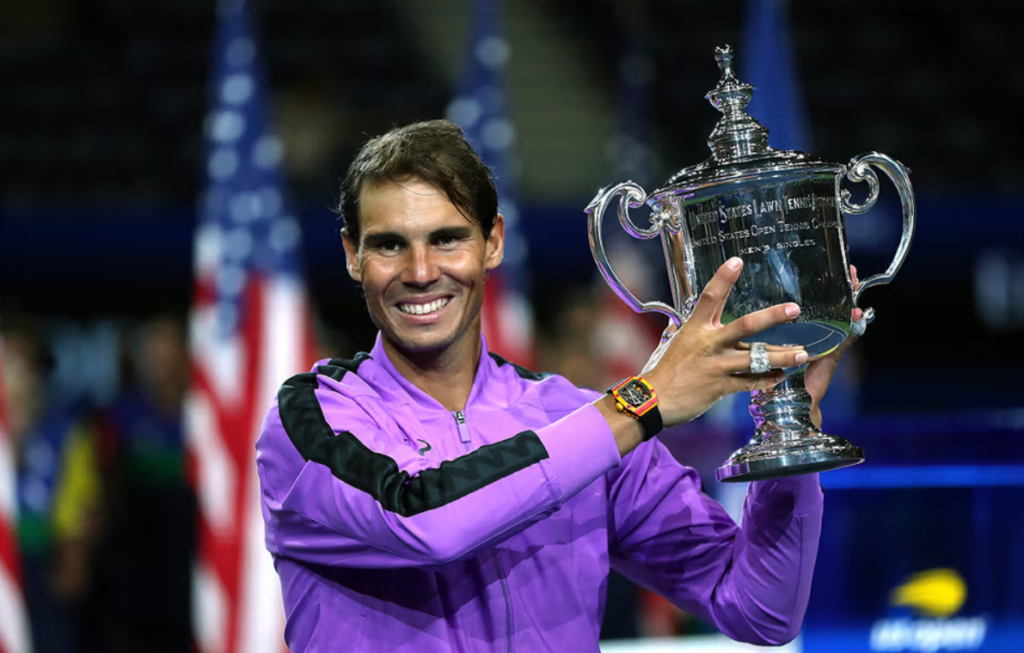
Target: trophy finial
737	134
724	58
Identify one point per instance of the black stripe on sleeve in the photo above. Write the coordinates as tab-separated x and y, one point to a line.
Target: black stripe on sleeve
337	368
523	372
519	369
355	464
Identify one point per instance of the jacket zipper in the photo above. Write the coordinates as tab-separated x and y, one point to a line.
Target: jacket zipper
509	624
460	422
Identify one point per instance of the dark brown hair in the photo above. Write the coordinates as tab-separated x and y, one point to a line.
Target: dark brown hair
436	152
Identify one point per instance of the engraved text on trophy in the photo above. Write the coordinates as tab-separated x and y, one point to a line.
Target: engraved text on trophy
790	235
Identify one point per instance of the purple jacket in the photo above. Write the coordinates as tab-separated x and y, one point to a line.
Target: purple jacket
396	525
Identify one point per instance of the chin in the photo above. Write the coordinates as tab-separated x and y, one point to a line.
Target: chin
421	343
424	339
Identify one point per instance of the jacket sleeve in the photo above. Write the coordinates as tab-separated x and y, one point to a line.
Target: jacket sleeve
751	581
338	490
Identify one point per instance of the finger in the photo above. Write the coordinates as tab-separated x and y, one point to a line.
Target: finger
756	322
745	346
833	359
739	361
752	382
858	314
843	348
712	300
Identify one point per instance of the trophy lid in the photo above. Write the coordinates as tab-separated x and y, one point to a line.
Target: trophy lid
737	134
739	143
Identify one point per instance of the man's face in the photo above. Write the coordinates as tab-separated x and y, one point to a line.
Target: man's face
422	265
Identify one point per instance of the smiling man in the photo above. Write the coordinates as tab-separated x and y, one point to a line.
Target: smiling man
431	496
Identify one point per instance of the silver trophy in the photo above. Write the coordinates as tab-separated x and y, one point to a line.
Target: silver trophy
782	212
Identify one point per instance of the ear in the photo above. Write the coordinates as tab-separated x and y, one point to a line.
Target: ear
494	248
351	256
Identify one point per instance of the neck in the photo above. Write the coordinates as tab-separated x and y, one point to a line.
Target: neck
446	375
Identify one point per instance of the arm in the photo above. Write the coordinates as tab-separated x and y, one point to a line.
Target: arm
339	490
751	581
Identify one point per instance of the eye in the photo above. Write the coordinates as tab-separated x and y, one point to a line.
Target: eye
389	246
448	239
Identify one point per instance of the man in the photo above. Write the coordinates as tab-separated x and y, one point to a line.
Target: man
57	490
431	496
148	541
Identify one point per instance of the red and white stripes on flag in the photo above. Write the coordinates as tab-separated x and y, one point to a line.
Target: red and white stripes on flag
14	634
250	331
238	594
507	322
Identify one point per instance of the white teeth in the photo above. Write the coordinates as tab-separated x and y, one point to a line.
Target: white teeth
423	309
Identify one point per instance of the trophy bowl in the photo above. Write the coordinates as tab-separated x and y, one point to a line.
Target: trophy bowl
783	213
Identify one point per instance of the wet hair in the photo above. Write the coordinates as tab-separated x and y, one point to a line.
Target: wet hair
435	152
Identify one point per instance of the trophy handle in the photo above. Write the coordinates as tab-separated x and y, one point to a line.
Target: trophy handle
632	196
859	169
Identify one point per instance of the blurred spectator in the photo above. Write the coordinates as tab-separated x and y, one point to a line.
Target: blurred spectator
144	566
58	492
566	346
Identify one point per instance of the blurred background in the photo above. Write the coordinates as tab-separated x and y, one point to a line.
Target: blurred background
169	255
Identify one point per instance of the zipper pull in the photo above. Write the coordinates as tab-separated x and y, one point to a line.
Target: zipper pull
460	421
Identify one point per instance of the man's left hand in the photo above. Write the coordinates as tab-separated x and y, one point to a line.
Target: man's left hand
820	372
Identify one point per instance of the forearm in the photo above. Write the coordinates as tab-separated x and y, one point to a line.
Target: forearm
764	595
375	510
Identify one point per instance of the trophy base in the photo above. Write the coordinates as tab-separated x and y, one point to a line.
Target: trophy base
789	454
786	443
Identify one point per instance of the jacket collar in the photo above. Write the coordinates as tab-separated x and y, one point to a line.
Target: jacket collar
488	384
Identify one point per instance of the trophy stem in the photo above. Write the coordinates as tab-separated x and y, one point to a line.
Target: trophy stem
786	442
785	410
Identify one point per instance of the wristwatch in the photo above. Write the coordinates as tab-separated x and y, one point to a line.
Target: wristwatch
635	397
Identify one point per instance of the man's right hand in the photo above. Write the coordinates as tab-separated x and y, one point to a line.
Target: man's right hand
703	360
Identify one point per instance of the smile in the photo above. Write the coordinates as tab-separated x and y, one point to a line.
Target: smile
424	309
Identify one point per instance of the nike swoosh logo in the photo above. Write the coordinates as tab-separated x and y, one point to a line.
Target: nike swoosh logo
424	449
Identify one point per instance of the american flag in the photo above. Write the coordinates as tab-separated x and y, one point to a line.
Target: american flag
480	109
14	636
250	330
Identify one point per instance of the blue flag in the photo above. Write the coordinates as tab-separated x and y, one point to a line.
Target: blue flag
767	65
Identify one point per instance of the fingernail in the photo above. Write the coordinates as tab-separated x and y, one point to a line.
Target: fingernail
801	357
735	263
792	310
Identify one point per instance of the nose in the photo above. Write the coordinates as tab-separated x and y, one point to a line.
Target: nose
420	269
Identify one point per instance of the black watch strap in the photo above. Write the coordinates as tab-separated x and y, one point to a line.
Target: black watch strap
651	421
